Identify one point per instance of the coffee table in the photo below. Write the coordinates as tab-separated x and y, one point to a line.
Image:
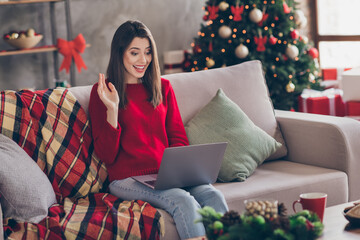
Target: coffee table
336	226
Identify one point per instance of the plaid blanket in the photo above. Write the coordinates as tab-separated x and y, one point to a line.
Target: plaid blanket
53	129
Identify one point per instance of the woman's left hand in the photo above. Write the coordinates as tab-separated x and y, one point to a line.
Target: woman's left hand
108	95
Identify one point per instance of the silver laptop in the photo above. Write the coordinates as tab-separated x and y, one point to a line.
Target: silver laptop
186	166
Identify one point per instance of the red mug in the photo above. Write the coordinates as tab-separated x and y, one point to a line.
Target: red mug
314	202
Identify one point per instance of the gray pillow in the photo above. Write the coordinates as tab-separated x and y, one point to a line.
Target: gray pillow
26	192
222	120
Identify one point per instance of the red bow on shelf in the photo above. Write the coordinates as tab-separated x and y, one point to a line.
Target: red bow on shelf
72	49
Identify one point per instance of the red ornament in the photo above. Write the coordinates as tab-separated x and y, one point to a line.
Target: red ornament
285	57
197	49
276	18
314	53
286	8
210	46
206	17
294	34
260	42
264	18
213	10
272	40
187	64
237	11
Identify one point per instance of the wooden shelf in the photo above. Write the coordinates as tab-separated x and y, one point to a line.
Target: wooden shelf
28	1
31	50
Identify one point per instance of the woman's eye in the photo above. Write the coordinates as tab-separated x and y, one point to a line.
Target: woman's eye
148	53
134	53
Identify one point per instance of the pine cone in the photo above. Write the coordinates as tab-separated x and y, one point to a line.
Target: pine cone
285	223
281	222
282	210
231	218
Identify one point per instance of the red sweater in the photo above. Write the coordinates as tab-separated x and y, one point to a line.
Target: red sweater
136	146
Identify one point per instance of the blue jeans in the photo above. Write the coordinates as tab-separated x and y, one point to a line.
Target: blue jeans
181	204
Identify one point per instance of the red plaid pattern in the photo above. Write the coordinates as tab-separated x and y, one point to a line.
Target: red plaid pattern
53	129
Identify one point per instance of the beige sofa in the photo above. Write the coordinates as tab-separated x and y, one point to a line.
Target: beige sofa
319	153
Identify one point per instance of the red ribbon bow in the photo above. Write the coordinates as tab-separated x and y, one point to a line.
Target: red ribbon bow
72	49
237	11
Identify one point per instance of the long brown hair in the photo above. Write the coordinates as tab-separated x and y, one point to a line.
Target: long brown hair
116	70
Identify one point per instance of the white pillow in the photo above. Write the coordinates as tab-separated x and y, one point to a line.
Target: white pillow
26	192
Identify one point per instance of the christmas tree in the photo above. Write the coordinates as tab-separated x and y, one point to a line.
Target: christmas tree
235	31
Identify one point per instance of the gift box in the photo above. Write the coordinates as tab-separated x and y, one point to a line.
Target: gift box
174	61
328	102
353	108
350	84
332	76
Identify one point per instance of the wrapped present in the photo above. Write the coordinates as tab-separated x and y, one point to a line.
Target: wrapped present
174	61
332	76
350	84
328	102
353	108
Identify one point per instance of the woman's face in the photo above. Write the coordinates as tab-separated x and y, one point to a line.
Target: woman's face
137	58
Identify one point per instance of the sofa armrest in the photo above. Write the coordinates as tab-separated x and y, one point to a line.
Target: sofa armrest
325	141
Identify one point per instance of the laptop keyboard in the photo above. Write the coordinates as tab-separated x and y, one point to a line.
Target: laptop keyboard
151	182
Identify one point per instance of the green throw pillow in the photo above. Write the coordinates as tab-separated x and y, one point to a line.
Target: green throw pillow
222	120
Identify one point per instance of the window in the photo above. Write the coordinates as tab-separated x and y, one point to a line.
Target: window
337	33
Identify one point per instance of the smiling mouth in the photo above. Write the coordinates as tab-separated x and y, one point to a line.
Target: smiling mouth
139	68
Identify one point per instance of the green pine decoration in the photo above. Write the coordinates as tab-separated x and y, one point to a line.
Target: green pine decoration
235	31
303	225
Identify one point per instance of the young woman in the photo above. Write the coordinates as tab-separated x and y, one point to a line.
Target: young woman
134	117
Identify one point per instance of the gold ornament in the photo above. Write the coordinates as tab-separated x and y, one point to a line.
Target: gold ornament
290	87
223	6
225	31
14	35
292	51
22	35
311	78
30	32
210	63
256	15
241	51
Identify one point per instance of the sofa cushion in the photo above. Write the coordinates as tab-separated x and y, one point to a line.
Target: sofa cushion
26	192
221	120
243	83
285	181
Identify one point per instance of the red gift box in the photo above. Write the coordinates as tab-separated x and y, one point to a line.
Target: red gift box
353	108
333	73
328	102
332	76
